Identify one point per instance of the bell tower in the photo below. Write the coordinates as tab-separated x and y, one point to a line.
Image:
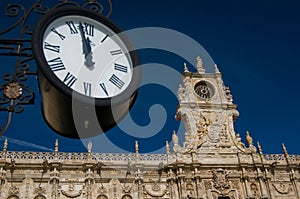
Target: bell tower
206	107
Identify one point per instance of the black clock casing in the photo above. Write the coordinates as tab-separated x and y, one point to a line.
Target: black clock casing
69	110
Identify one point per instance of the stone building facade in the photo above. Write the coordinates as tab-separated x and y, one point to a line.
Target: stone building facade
212	162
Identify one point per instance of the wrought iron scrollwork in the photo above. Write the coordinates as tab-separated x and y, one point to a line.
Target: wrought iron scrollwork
14	91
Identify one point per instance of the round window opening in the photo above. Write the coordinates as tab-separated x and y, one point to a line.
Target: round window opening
204	89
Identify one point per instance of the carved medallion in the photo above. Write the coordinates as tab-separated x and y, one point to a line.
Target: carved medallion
220	179
283	188
71	192
155	190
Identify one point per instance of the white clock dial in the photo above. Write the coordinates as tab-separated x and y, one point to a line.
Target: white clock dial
86	57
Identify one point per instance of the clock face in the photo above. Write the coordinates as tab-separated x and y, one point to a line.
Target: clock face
87	56
204	90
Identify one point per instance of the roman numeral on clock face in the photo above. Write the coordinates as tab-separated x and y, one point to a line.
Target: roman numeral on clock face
56	64
104	38
102	85
60	35
89	29
116	81
72	27
51	47
116	52
121	68
87	88
69	79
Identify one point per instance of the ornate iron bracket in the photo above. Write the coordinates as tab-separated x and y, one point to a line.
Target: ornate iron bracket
16	52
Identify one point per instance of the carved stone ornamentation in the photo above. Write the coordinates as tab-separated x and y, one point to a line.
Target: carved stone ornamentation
283	188
181	92
220	179
14	190
212	130
101	190
156	190
40	190
190	190
207	185
71	192
127	189
254	190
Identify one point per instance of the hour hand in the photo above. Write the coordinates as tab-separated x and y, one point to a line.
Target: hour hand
86	48
89	56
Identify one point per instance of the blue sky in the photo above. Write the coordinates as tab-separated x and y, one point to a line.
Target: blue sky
255	44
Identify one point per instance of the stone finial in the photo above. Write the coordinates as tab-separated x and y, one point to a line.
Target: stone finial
56	146
200	68
185	68
174	138
217	71
89	146
286	155
5	144
167	147
136	146
249	139
259	148
284	149
260	152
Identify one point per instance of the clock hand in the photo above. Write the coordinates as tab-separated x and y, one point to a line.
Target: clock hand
89	55
83	40
86	48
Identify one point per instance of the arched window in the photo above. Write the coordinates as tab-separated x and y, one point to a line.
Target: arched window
102	197
39	197
126	196
13	197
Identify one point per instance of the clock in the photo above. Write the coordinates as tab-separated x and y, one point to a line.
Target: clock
204	89
83	60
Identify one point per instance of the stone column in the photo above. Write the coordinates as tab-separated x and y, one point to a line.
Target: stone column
54	180
245	182
199	190
139	183
262	185
88	183
181	180
2	178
